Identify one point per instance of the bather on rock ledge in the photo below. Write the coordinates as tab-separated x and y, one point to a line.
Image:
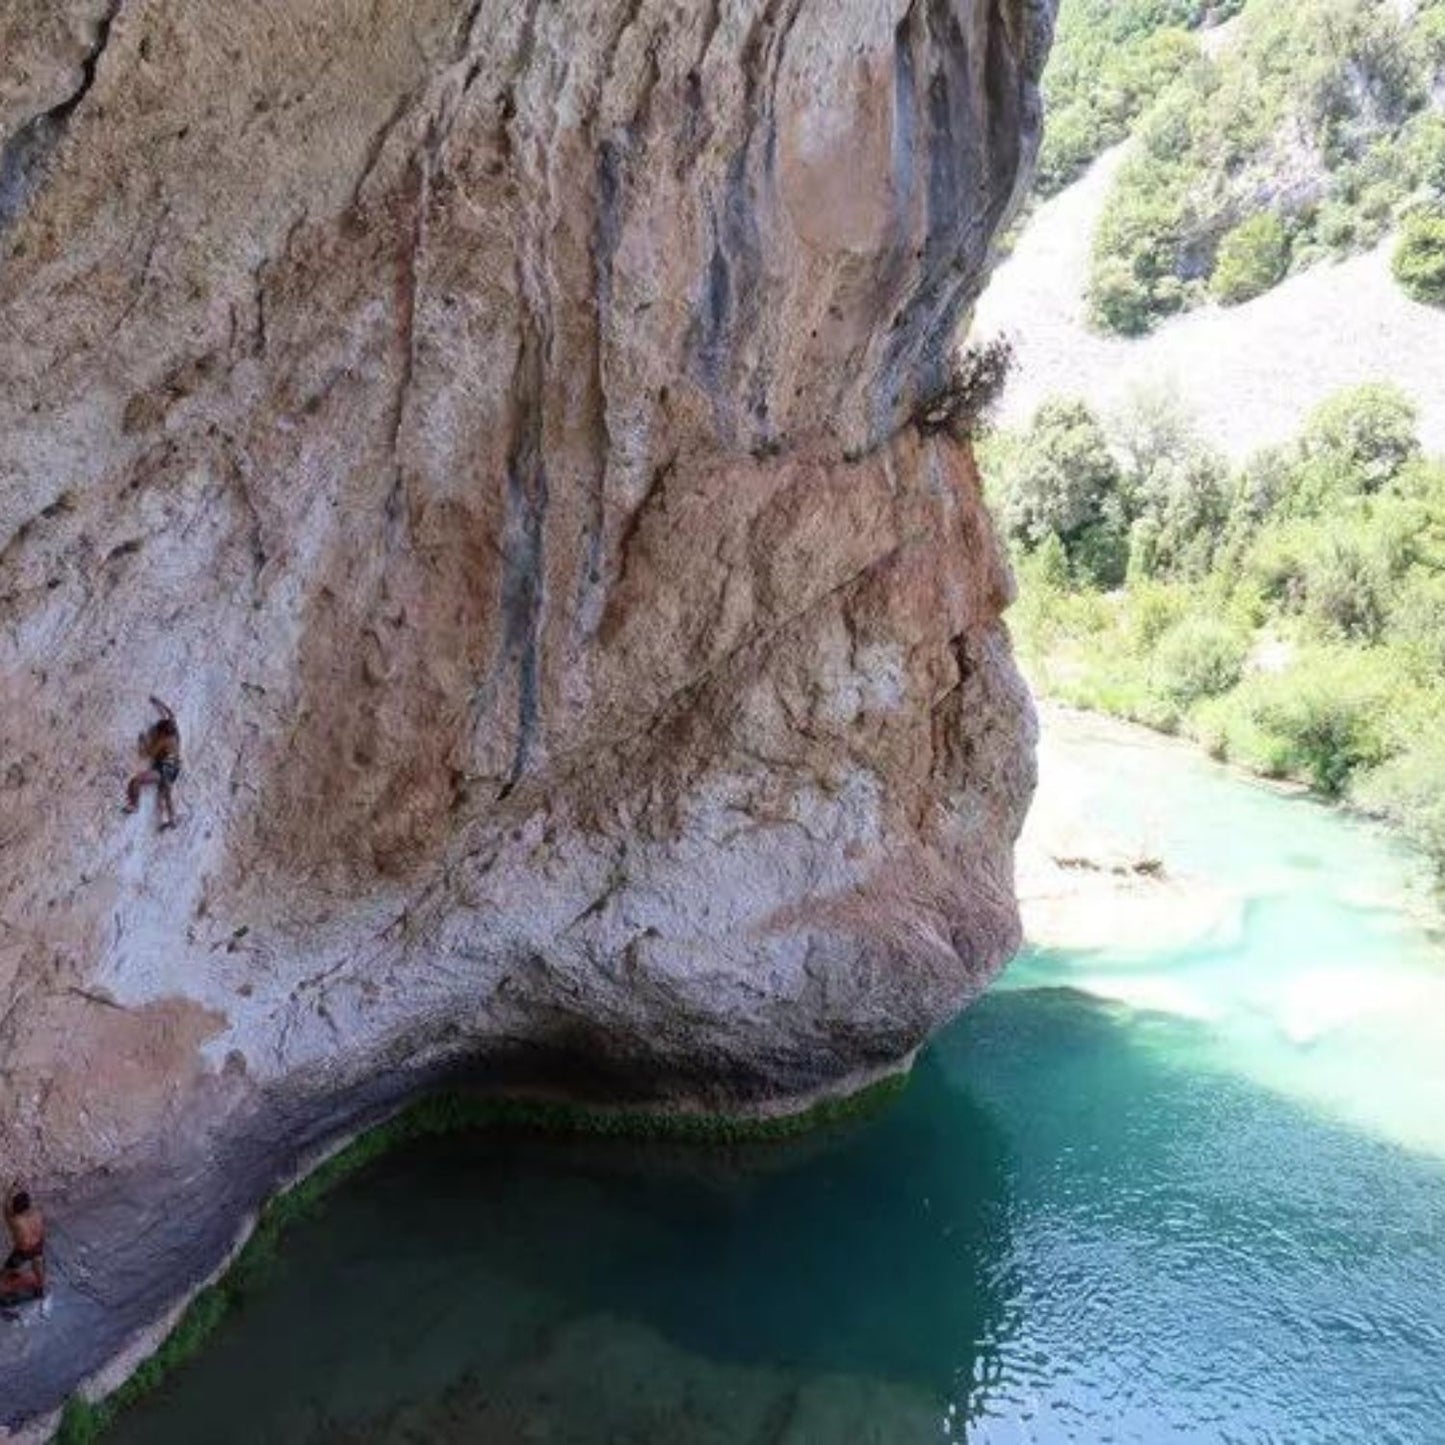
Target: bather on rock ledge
22	1276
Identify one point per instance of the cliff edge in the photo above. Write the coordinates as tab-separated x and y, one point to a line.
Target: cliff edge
488	426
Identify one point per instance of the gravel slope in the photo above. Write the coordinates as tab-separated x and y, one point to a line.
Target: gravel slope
1250	373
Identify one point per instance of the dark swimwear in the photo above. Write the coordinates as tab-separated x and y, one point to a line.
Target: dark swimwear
19	1258
169	769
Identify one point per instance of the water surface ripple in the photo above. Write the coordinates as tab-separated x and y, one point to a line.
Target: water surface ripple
1131	1196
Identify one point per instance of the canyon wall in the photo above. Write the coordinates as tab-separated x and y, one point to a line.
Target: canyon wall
489	426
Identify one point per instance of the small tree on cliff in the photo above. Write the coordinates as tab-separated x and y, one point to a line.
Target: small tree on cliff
963	406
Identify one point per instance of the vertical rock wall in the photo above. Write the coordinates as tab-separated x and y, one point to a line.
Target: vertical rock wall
488	424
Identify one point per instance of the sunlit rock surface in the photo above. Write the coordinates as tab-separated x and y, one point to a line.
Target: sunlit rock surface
489	426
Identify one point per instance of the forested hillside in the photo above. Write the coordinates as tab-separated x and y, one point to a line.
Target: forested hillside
1312	133
1111	59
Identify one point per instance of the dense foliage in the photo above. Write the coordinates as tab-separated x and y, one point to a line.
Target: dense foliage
1252	257
1110	59
1419	263
1289	614
1309	135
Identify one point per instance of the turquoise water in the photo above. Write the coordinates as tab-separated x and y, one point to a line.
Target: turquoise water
1128	1197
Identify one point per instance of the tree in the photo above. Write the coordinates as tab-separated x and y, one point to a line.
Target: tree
1357	442
1062	480
1417	623
1118	300
1252	258
1419	261
1346	587
1152	429
1176	487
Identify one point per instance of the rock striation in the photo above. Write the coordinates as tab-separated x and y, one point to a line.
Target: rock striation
488	424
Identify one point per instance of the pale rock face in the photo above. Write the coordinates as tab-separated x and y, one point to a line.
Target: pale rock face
488	425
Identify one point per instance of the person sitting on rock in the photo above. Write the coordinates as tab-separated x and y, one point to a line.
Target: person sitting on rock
160	744
27	1237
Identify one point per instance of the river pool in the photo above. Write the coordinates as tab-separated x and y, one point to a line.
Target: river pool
1138	1193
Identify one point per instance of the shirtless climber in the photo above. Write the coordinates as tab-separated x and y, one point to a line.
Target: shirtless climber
160	744
23	1274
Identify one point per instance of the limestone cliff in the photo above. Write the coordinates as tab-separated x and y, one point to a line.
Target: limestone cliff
488	424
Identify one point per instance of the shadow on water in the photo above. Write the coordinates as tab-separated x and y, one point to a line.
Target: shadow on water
1073	1218
876	1249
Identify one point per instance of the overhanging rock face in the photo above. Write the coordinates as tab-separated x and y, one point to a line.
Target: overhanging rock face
487	424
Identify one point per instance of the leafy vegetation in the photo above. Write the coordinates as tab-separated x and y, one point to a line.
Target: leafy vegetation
1311	135
1253	257
1110	59
1419	263
1288	614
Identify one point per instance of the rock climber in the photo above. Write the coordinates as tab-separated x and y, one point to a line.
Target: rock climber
23	1273
160	744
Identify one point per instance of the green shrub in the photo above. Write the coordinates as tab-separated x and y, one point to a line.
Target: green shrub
1325	719
1417	624
1354	443
1409	790
1118	300
1150	610
1143	551
1430	33
1198	658
1252	258
1419	262
1346	586
1053	563
1427	150
1099	554
1277	562
1228	730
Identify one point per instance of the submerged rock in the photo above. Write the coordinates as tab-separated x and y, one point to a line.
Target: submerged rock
489	426
599	1378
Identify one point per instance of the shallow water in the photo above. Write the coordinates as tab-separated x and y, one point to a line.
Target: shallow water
1128	1197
